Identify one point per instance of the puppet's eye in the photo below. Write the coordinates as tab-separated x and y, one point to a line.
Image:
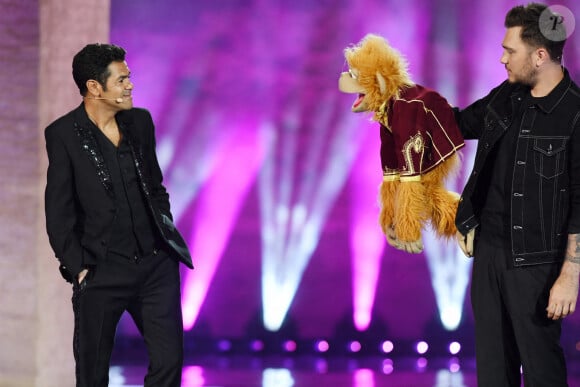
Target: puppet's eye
352	74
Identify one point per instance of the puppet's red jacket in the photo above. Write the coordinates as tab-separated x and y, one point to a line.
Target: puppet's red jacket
418	132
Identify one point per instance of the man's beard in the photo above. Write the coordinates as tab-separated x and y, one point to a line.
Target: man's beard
528	76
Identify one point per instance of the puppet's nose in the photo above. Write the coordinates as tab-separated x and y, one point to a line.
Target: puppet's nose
347	84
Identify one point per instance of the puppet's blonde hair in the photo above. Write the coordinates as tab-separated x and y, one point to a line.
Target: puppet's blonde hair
373	55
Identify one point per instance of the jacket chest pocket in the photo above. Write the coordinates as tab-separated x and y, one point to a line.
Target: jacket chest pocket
549	156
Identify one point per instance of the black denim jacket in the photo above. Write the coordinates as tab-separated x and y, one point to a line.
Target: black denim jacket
545	184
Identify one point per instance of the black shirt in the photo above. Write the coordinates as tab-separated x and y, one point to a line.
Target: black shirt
495	213
132	233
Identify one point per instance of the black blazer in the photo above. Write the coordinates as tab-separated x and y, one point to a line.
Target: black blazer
79	197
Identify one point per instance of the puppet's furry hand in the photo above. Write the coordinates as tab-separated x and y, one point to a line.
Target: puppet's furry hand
413	247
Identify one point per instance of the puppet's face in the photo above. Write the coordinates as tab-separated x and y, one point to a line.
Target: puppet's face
377	72
348	83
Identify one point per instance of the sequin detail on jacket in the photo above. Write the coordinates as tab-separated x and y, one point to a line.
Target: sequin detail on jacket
90	146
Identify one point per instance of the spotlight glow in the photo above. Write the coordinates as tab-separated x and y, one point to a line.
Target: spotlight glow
257	345
454	365
454	348
447	378
192	376
448	266
217	211
322	346
290	346
354	346
388	366
421	364
277	377
116	377
292	217
367	241
363	377
422	347
387	346
183	181
321	366
449	273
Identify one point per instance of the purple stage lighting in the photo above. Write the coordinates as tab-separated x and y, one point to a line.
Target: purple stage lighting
266	165
454	365
454	348
257	345
354	346
290	346
421	364
224	345
388	366
422	347
322	346
387	346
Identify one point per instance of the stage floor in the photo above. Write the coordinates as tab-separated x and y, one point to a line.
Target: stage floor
298	371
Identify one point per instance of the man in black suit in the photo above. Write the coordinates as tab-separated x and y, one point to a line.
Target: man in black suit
109	222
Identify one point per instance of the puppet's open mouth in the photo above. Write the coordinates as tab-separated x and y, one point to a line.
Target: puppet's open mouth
358	100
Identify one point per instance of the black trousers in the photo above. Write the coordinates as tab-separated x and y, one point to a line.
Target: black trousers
149	290
511	328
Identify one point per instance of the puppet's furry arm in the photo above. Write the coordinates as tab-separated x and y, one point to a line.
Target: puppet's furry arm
442	203
387	194
410	210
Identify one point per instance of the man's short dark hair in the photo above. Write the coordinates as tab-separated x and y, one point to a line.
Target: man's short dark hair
92	62
528	17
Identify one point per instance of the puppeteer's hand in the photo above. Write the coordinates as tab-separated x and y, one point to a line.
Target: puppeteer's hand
563	297
564	292
466	242
81	276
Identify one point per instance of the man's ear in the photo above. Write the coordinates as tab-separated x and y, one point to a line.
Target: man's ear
94	87
382	83
542	56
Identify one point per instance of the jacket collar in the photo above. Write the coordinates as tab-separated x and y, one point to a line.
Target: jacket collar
84	130
518	90
550	101
81	117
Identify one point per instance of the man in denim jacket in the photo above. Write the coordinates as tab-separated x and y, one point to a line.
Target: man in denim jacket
519	214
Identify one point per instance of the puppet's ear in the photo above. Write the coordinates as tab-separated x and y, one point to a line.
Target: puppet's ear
382	83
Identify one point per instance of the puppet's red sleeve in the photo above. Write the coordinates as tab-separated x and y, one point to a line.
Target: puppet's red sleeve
424	130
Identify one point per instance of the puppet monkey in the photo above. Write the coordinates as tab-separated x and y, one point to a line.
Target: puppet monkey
419	143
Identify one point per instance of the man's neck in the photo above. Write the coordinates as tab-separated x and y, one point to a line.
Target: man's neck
102	118
548	79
